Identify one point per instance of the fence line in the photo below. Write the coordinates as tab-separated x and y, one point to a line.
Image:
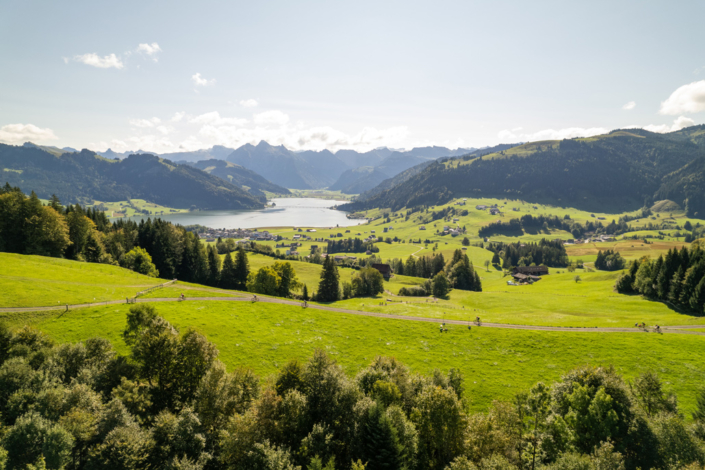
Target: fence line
153	288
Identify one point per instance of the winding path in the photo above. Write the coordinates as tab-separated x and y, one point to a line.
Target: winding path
680	329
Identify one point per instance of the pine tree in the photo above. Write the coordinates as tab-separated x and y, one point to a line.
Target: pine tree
495	259
379	442
697	300
242	269
674	294
55	203
213	266
329	288
305	295
228	279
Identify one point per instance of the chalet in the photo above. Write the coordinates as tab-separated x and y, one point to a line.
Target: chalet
531	270
481	208
311	230
314	247
456	219
292	253
423	227
384	269
494	211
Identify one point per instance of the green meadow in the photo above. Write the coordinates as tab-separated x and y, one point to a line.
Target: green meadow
496	363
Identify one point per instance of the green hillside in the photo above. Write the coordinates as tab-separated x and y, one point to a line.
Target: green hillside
616	172
86	176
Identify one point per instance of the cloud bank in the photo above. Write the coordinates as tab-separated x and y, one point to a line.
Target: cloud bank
20	133
106	62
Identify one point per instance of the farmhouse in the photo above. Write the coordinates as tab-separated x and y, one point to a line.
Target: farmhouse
531	270
481	208
494	211
384	269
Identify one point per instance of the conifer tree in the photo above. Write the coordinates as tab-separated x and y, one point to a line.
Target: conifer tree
329	287
228	279
674	293
242	269
379	442
213	266
305	295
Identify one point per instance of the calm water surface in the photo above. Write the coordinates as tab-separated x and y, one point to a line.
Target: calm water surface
288	212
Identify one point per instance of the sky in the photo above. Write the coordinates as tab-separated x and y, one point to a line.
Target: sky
177	75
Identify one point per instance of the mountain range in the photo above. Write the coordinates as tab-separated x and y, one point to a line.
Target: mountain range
86	176
313	169
622	170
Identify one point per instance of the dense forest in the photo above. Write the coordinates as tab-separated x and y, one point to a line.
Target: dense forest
616	171
677	278
86	176
171	404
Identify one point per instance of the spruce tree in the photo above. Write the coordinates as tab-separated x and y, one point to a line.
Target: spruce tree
213	266
305	296
697	300
242	269
674	294
228	279
379	442
329	288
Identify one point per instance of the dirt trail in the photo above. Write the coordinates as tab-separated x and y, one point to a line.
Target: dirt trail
247	298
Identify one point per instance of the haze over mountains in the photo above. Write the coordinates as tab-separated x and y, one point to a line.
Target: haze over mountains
346	170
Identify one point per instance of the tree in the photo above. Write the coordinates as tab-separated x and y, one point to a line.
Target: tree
80	229
228	279
368	282
46	233
213	266
496	259
466	241
378	441
487	265
304	294
287	278
577	279
441	286
329	287
33	436
242	269
140	261
265	281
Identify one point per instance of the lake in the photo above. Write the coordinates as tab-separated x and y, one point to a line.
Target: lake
287	212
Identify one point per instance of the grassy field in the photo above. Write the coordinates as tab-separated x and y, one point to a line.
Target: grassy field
134	207
496	363
38	281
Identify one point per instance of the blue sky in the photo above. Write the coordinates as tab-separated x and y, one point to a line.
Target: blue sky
180	75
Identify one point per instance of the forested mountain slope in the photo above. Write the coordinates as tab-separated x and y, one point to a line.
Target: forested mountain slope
84	176
254	183
618	170
358	180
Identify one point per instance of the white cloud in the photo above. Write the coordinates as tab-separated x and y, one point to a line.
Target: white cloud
689	98
20	133
517	129
200	81
165	129
214	118
249	103
149	49
629	106
273	117
178	116
94	60
506	136
680	123
145	122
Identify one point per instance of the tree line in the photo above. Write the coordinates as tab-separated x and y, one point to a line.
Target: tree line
610	260
679	278
546	252
171	404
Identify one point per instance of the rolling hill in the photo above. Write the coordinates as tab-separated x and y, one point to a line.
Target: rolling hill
86	176
619	170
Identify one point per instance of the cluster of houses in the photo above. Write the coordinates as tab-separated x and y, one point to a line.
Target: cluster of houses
494	210
595	239
213	234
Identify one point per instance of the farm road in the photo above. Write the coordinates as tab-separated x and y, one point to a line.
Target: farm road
247	298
